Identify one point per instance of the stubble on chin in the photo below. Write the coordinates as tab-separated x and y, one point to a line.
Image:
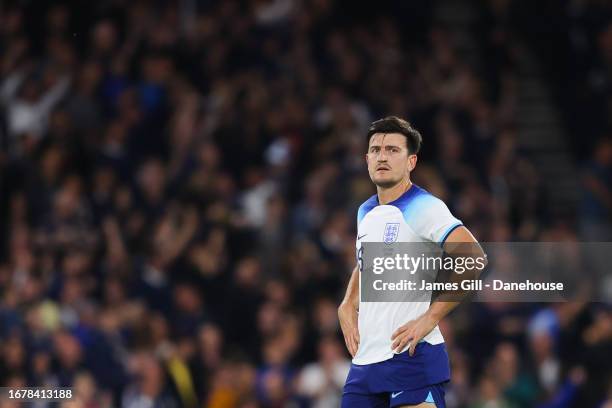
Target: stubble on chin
385	183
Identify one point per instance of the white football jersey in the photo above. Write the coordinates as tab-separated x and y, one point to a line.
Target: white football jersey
416	216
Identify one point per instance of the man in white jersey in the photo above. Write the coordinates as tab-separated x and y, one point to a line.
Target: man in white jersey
399	356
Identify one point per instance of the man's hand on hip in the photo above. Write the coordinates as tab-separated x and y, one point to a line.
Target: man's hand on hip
348	316
412	332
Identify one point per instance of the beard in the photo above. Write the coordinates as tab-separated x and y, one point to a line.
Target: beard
386	182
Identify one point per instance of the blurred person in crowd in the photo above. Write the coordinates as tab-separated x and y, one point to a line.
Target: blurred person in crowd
208	358
276	374
543	331
87	395
596	199
321	382
459	390
489	394
151	386
69	353
567	392
518	387
243	303
13	357
29	99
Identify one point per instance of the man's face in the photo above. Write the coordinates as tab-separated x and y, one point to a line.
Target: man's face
388	159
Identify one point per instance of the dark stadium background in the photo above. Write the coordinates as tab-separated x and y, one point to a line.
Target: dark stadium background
179	182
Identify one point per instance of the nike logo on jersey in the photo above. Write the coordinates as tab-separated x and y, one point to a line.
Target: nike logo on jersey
395	394
361	236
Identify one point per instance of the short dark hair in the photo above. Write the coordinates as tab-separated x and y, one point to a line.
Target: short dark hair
393	124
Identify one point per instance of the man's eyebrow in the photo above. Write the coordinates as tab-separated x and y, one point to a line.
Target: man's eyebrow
386	146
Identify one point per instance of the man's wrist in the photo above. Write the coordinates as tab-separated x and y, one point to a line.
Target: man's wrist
431	317
434	315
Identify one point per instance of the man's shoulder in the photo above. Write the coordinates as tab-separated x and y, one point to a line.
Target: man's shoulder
417	199
366	207
371	202
422	210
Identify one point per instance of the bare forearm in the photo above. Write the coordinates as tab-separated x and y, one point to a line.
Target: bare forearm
351	298
461	243
348	314
438	310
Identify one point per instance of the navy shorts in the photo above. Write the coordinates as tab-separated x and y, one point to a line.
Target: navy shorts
401	380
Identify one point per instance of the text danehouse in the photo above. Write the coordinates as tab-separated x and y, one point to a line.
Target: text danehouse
467	285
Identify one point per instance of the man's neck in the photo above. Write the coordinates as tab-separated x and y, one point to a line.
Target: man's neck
387	195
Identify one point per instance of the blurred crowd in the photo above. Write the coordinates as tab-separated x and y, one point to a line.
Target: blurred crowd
179	183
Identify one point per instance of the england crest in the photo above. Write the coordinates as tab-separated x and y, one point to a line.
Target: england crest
391	232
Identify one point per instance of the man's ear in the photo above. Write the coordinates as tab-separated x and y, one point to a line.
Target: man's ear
412	161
